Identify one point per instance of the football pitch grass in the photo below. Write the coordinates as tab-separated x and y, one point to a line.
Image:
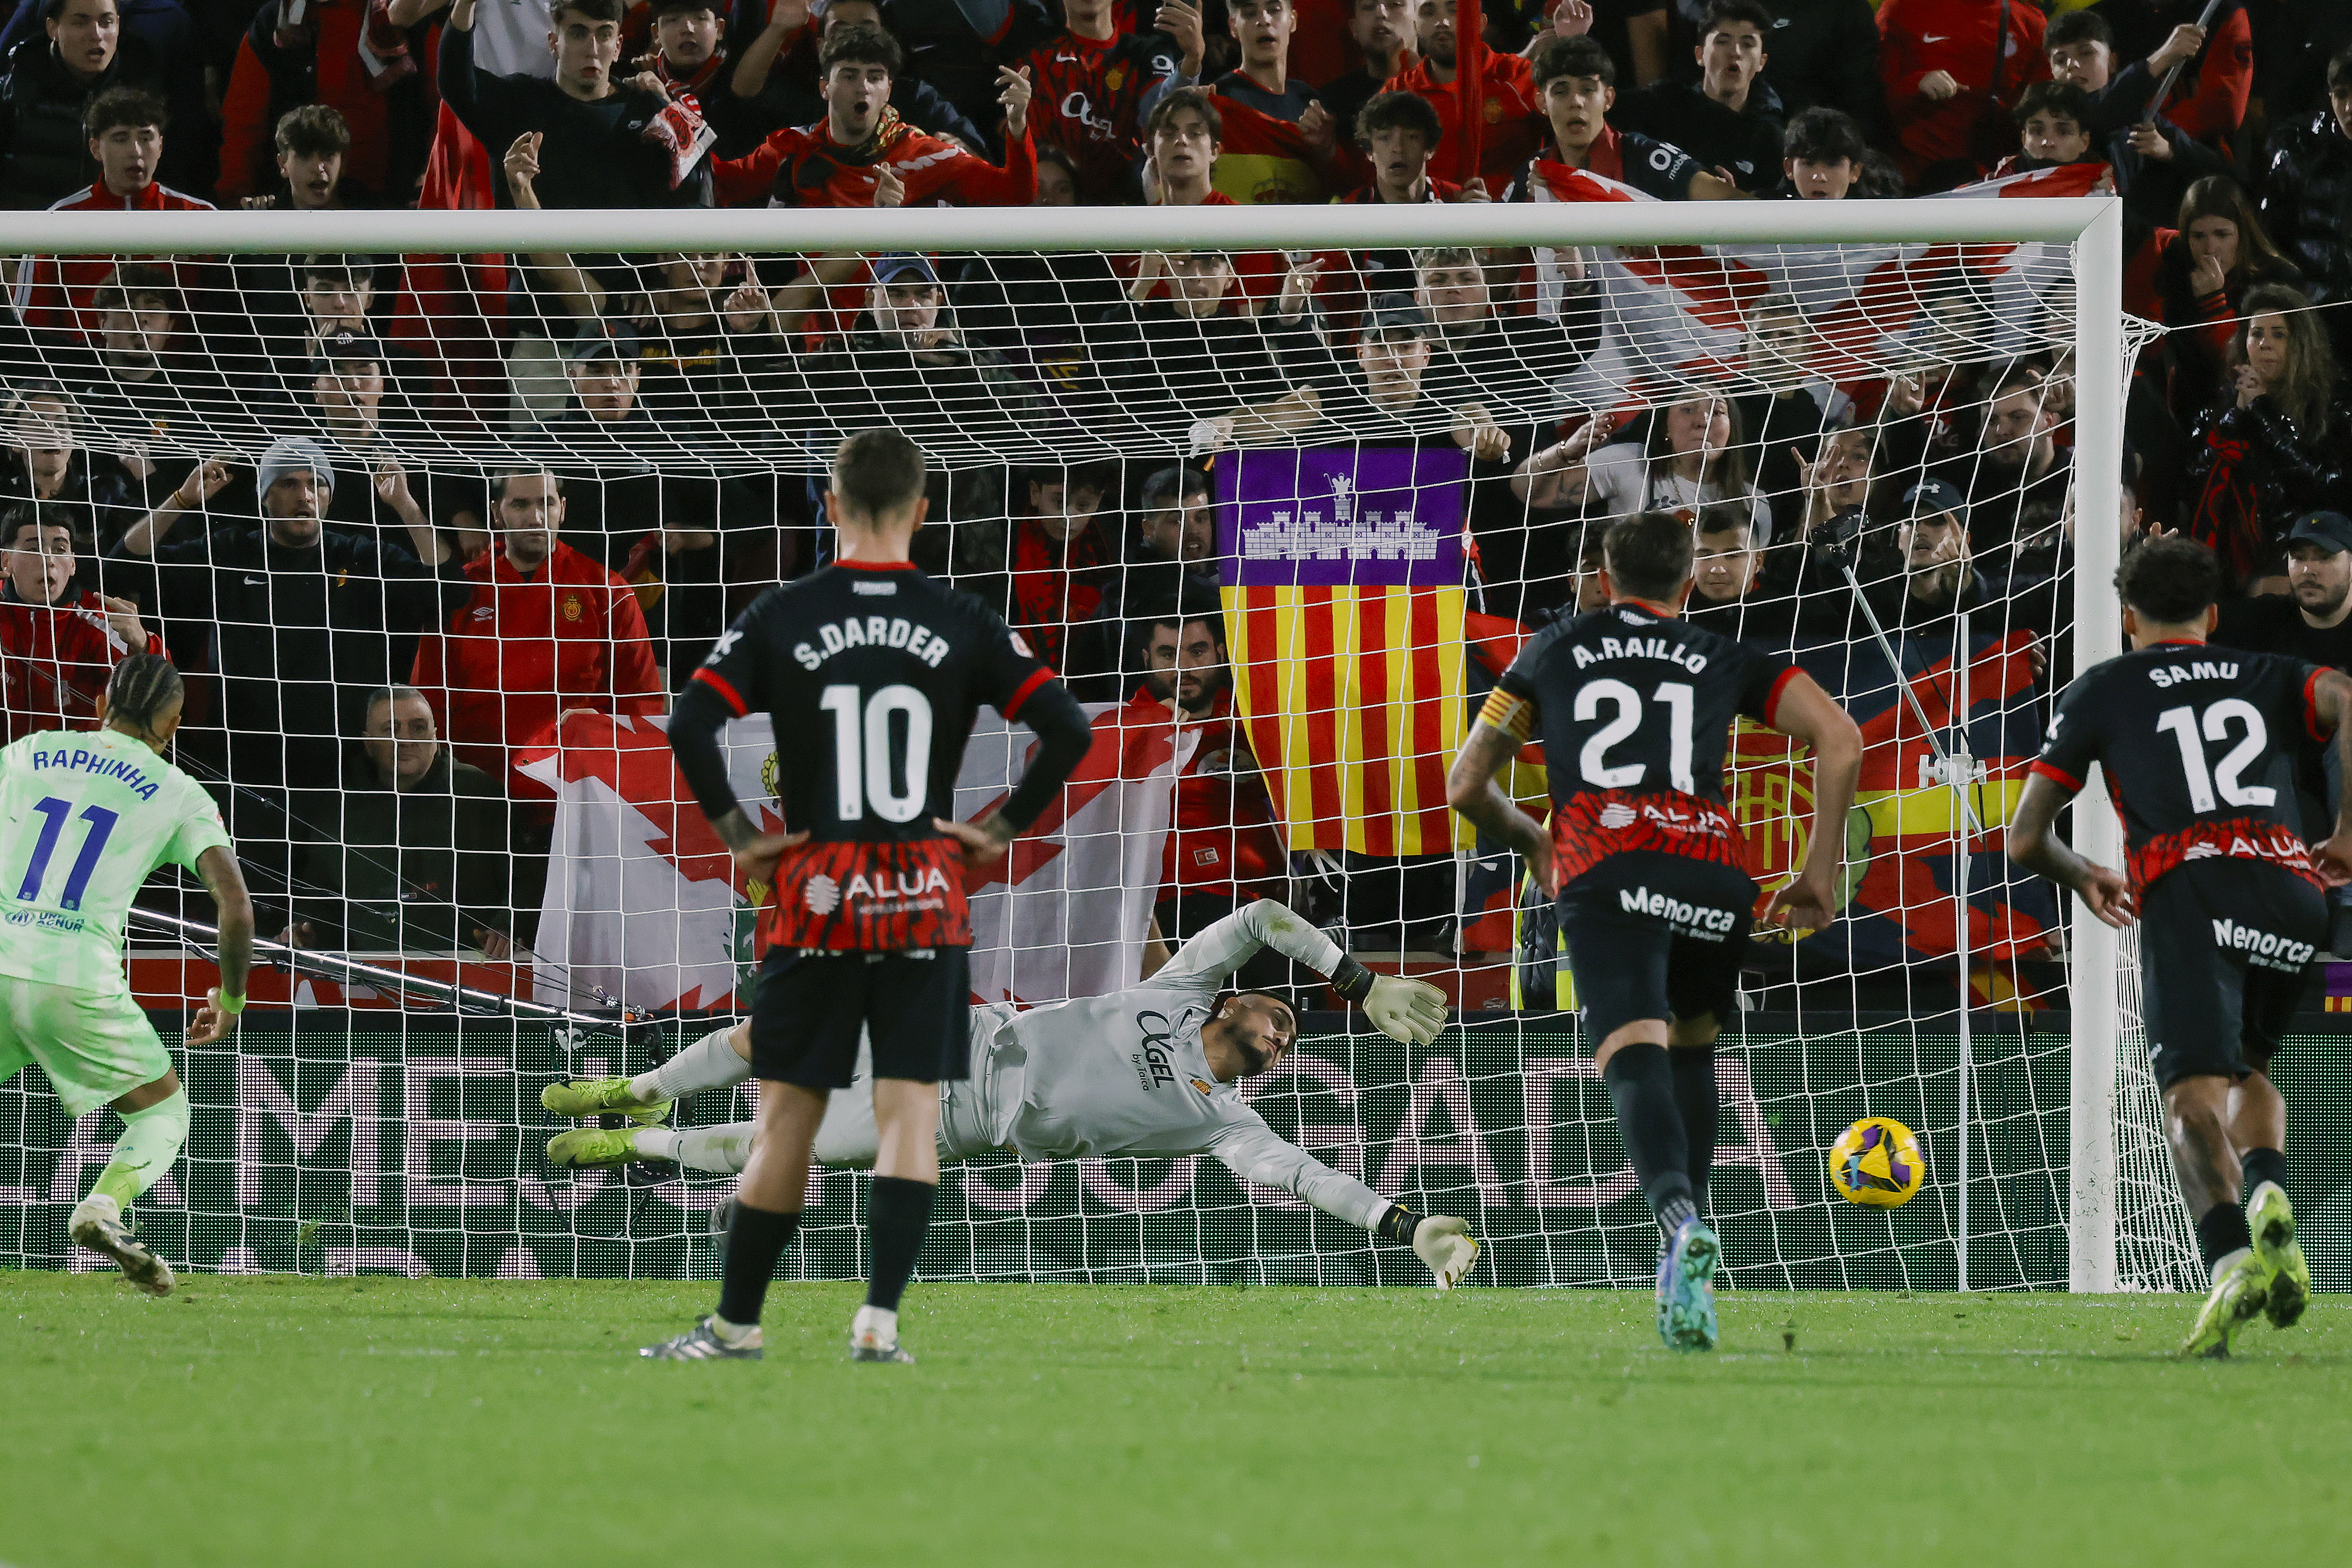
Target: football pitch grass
438	1423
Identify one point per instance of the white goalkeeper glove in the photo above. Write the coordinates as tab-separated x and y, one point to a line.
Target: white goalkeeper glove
1412	1012
1445	1244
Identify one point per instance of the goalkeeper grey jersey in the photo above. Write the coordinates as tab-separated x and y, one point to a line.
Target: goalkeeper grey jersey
1126	1074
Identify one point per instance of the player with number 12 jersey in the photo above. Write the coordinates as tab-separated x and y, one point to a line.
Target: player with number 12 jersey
2201	747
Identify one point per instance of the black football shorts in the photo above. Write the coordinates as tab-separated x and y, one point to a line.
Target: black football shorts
2223	950
810	1009
1654	936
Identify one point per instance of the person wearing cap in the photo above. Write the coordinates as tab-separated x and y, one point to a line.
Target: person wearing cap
299	620
904	363
348	397
2313	620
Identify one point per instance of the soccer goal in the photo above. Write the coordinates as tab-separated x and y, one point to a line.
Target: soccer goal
1280	489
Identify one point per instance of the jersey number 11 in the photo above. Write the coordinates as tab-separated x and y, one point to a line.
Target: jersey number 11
93	843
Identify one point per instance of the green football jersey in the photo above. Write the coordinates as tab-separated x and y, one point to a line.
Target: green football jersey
85	817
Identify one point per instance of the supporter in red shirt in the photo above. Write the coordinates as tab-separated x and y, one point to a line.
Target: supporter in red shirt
1954	70
863	154
58	641
1223	848
1060	559
545	633
1510	119
125	126
1091	82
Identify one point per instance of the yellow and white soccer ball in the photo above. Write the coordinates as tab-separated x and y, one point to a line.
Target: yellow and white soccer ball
1877	1163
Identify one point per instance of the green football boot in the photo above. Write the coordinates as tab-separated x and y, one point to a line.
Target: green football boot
2272	1219
602	1097
592	1148
2239	1292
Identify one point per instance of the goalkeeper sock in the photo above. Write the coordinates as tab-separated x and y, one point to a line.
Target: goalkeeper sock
1701	1104
151	1140
721	1150
755	1239
710	1063
2223	1231
1641	1084
901	1214
2261	1165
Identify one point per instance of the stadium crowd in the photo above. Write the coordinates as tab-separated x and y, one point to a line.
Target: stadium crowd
273	466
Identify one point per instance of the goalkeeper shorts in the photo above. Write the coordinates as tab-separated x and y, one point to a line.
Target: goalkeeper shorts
812	1011
1655	935
2224	947
95	1046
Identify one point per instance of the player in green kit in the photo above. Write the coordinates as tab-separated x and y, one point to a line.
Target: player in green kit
85	817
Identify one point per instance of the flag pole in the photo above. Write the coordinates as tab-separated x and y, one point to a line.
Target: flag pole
1469	86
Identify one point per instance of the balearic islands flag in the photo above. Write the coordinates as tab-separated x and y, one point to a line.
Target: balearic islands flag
1344	600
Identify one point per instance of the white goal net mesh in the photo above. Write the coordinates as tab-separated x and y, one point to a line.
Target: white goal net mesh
436	537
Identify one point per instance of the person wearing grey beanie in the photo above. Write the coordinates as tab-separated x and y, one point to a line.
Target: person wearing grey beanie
294	453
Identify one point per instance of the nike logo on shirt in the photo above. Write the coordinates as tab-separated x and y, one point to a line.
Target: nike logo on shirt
1935	38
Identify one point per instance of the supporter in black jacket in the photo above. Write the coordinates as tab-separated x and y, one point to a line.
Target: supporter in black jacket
43	153
1730	118
2307	194
2271	448
1825	53
603	139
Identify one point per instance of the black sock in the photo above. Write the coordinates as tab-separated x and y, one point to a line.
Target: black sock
902	1213
1641	1082
2261	1165
755	1239
2222	1231
1701	1104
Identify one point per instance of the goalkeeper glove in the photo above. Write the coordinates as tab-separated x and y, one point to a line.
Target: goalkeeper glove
1411	1011
1445	1244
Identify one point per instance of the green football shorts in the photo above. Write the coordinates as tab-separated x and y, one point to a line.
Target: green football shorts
95	1046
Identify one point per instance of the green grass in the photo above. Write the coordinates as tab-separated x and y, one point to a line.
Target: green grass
432	1423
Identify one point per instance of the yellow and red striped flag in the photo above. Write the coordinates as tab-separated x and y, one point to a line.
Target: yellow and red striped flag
1344	604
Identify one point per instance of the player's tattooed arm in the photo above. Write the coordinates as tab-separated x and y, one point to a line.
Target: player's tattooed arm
217	868
2033	846
2332	696
1806	713
1471	789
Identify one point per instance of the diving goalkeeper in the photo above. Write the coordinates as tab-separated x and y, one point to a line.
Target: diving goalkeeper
1148	1072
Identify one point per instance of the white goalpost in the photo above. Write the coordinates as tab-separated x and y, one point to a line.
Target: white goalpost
1500	1116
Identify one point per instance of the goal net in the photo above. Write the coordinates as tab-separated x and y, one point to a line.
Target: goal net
436	510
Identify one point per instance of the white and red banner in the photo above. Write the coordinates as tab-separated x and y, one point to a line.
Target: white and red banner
643	902
1678	315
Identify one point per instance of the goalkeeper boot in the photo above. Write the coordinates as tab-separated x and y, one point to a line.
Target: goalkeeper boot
704	1342
592	1148
874	1336
2241	1284
2272	1219
1686	1288
602	1097
97	1224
